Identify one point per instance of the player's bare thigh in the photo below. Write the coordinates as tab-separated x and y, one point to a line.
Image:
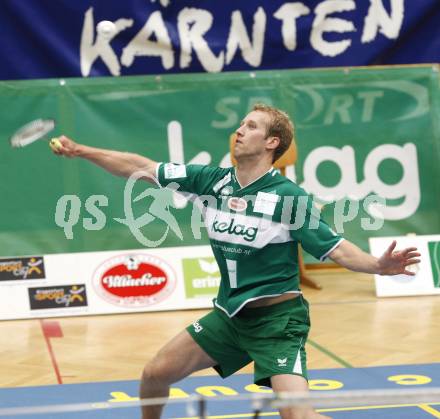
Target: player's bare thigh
180	357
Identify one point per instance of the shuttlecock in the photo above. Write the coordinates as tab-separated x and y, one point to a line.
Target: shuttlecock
106	28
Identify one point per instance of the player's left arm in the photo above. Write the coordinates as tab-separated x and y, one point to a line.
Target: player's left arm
392	262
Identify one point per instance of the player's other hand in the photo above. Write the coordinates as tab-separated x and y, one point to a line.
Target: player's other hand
395	262
69	148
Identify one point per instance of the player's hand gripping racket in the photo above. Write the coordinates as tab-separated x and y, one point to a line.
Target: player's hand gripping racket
33	131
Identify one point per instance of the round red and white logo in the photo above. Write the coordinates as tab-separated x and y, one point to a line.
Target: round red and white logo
237	204
134	280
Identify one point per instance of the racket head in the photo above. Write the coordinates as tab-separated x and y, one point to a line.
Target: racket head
31	132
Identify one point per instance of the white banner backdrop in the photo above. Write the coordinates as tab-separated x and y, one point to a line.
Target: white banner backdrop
123	281
427	278
173	278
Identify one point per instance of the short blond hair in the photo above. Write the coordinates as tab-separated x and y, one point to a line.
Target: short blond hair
280	126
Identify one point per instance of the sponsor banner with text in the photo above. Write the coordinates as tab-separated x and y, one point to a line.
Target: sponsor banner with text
20	269
181	36
134	280
426	280
56	297
123	281
201	276
362	134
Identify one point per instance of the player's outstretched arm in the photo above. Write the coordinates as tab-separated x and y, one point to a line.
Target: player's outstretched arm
116	162
392	262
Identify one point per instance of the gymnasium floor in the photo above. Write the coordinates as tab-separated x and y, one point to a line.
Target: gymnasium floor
357	342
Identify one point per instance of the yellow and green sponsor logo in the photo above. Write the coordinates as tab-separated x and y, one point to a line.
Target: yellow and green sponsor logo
434	256
201	276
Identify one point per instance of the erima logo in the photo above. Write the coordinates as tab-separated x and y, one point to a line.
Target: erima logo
248	234
197	327
208	267
282	362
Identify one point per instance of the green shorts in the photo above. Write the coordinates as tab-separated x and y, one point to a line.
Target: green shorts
274	337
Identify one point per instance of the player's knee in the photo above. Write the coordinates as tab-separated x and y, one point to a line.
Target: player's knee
292	414
300	413
156	373
151	375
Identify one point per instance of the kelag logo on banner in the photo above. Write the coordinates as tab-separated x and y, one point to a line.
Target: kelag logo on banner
22	268
63	296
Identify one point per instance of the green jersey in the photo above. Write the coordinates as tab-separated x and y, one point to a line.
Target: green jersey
254	230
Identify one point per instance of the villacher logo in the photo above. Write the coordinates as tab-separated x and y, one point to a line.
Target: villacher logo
135	280
237	204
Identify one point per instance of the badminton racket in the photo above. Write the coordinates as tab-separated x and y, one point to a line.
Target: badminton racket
34	131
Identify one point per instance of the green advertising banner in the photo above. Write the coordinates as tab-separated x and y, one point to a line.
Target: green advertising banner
434	257
201	277
361	133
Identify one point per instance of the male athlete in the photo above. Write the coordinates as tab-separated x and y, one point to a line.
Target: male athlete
259	314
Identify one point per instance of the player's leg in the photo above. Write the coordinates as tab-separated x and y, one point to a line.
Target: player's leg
275	337
208	342
290	383
177	359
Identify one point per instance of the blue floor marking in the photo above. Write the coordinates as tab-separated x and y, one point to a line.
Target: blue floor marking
350	378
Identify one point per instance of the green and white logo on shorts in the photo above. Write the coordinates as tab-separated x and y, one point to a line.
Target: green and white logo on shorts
201	276
434	256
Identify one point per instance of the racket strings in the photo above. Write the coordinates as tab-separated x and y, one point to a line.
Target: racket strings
31	132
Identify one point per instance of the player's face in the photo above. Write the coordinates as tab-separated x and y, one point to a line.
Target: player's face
251	136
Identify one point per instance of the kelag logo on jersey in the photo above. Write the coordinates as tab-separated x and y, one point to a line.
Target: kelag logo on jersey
22	268
249	233
63	296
